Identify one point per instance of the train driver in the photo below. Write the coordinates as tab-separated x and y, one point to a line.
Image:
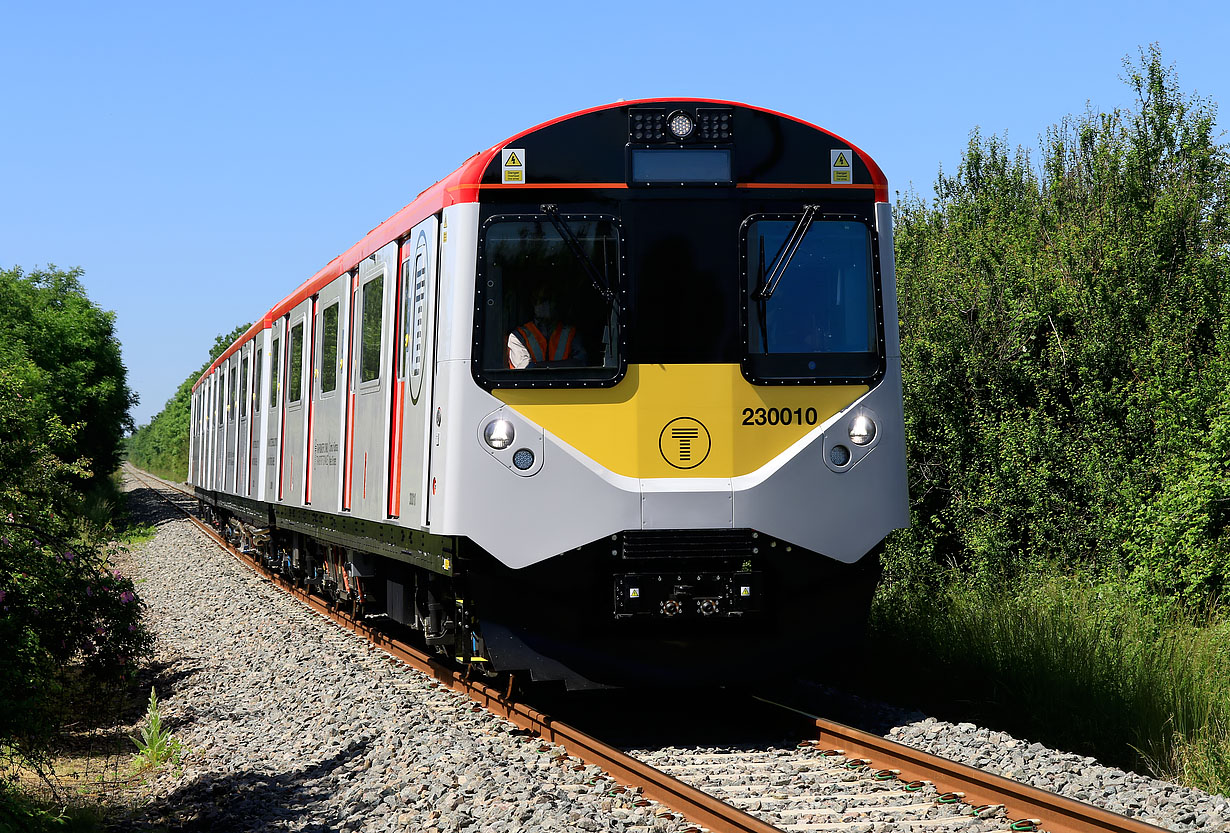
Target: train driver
544	339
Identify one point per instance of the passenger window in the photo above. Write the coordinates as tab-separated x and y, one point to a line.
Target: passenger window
256	381
295	379
230	405
243	389
275	357
328	350
548	300
369	356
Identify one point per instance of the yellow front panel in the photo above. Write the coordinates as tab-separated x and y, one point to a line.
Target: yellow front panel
682	420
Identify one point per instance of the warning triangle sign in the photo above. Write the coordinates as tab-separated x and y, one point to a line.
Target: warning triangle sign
512	161
841	161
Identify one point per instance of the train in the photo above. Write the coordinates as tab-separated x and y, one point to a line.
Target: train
616	402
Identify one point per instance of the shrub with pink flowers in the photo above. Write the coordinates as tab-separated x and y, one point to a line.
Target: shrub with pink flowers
65	612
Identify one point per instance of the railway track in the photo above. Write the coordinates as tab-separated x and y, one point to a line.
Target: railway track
838	779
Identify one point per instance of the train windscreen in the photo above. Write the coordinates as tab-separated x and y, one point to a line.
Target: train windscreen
547	294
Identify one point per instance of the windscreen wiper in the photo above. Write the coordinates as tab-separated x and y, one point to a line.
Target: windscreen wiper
782	261
570	239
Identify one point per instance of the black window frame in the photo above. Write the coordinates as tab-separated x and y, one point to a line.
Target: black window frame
243	387
328	364
549	378
766	369
294	381
362	354
275	369
257	370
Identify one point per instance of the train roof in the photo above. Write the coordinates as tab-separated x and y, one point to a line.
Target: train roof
481	172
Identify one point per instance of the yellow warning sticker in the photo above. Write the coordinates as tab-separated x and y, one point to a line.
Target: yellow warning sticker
512	165
839	166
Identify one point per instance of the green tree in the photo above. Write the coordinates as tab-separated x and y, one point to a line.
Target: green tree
1066	350
48	319
161	446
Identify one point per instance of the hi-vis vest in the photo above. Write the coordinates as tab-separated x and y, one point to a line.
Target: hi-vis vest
557	348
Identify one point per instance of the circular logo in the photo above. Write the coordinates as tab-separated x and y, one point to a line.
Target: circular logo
684	443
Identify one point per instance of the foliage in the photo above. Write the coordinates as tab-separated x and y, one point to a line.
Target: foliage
1079	664
67	619
60	601
70	346
161	446
156	746
1066	352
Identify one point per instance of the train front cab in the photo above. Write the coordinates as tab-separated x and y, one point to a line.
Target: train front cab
703	479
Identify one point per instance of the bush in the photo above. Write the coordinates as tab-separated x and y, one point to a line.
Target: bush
1066	352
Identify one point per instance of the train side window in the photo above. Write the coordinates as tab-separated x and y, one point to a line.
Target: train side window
328	349
547	293
275	357
218	396
370	332
243	388
256	380
811	310
232	400
294	380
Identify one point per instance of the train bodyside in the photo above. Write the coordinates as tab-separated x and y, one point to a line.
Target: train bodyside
704	479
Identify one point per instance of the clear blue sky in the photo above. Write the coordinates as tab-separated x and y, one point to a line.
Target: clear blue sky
200	160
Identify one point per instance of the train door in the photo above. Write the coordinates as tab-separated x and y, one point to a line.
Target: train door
243	431
219	427
296	395
367	428
275	414
232	423
254	440
411	438
328	391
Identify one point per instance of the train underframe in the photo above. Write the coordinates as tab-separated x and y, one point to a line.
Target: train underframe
638	608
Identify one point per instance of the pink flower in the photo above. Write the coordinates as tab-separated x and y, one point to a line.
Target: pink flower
127	596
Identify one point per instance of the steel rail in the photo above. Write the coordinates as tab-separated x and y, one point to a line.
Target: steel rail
1050	812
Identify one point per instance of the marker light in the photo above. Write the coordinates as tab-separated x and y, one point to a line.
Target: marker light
499	434
523	459
862	430
839	455
680	124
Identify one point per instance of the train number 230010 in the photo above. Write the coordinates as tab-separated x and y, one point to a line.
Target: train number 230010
780	416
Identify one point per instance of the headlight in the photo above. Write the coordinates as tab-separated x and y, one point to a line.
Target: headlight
862	430
499	434
680	124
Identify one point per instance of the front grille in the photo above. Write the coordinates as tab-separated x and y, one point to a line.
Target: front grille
688	543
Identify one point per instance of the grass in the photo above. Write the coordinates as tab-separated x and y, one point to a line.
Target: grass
1072	663
84	779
